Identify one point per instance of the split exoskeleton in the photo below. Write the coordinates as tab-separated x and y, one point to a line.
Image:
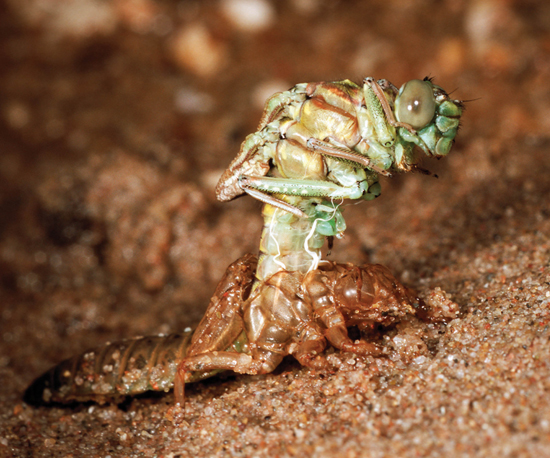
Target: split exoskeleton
243	330
296	314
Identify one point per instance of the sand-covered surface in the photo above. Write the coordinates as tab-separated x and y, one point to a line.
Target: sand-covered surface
116	120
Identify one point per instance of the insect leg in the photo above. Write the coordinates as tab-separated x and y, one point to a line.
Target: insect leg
222	325
309	352
303	188
329	291
296	132
263	362
271	200
373	89
278	104
339	338
344	154
252	159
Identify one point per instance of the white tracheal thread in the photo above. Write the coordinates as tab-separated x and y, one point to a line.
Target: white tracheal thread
316	257
275	260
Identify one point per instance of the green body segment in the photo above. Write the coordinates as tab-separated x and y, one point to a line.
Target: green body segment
385	132
292	243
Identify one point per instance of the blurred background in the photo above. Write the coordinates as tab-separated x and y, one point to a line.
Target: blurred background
118	117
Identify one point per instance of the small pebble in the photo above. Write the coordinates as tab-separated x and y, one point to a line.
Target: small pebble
249	15
193	48
188	100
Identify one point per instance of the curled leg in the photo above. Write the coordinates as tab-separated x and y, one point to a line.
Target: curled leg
343	295
221	328
320	288
309	354
222	323
262	362
339	338
242	363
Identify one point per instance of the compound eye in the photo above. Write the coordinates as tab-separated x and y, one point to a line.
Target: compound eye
415	104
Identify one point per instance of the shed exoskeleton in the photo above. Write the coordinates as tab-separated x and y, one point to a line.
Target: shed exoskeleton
244	331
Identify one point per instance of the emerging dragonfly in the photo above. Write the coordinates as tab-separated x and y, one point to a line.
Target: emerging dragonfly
332	139
324	141
316	143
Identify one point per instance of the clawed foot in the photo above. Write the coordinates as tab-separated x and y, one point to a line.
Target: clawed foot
339	338
320	362
313	361
309	354
363	348
179	386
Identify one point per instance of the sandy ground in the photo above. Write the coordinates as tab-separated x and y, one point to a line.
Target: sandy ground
117	119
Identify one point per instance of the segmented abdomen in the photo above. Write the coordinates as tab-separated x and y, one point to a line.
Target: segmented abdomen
113	371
